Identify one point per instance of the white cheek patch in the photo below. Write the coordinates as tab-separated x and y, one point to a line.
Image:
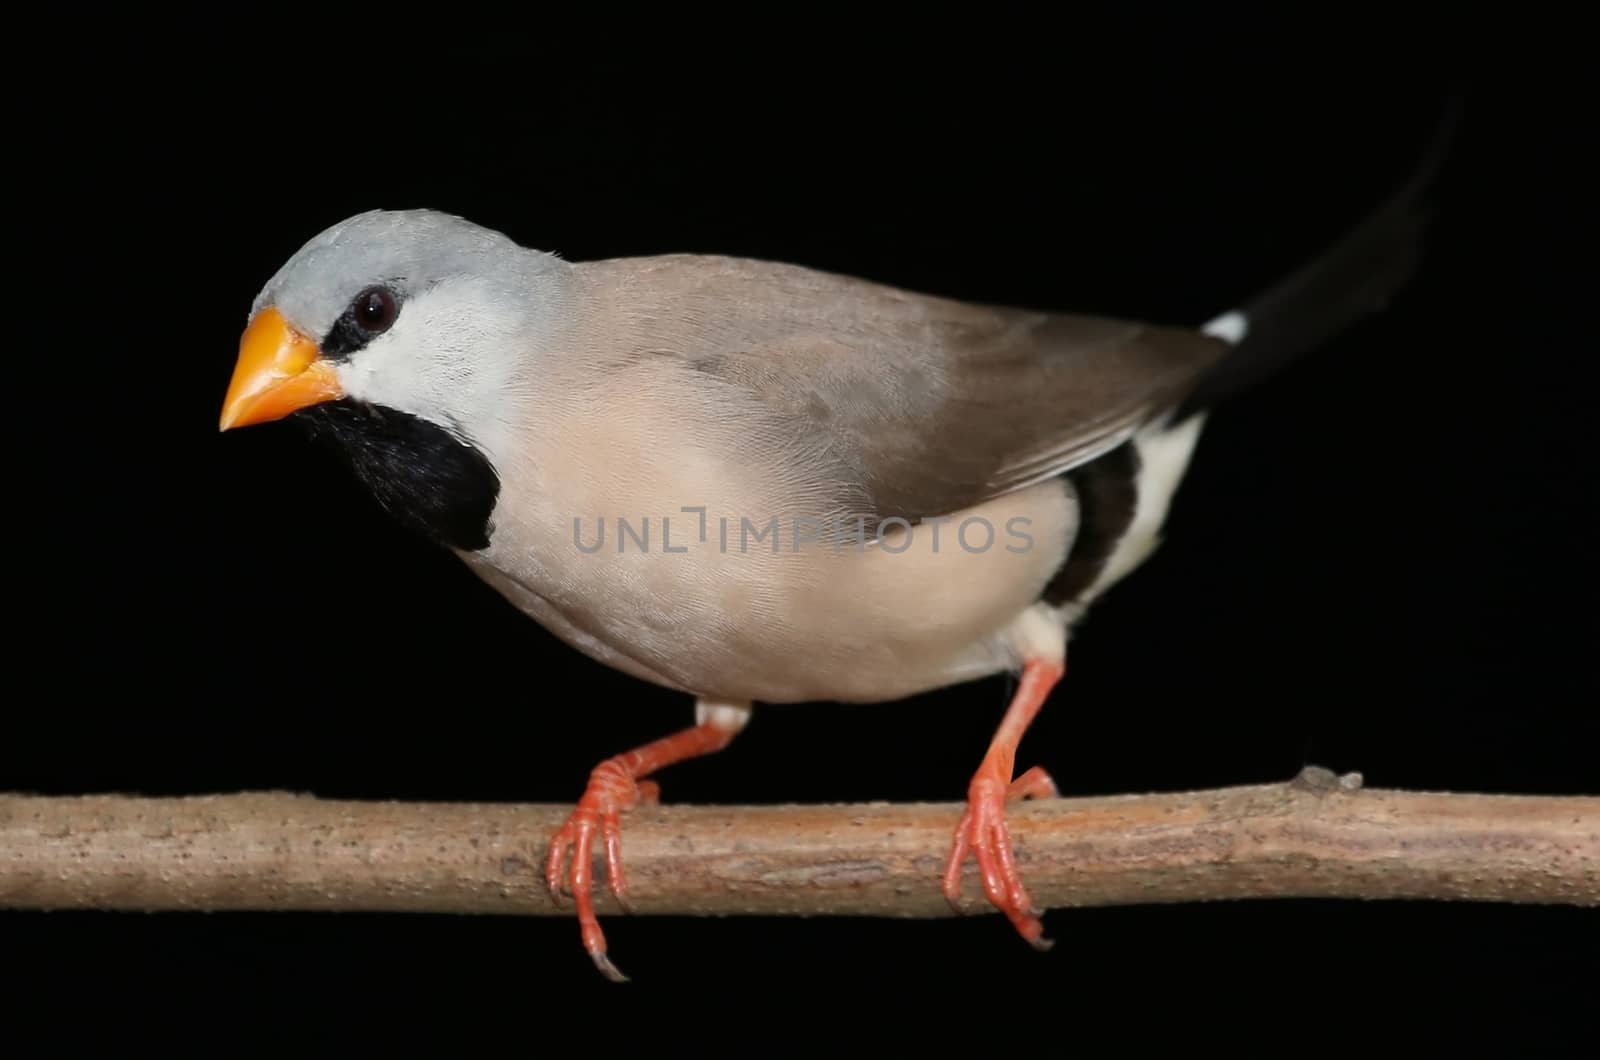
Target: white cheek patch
452	358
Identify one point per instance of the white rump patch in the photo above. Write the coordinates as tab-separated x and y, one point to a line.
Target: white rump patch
1229	327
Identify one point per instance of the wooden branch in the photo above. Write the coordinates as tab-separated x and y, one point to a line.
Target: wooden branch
1317	836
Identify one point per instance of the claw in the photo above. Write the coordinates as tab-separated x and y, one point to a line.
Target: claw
607	969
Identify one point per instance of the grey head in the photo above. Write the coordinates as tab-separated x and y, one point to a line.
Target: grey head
466	301
424	325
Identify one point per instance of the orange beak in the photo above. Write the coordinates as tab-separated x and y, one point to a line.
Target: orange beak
279	371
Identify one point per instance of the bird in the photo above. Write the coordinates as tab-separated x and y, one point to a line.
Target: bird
752	481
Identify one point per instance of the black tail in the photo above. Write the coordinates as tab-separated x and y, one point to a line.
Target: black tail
1353	279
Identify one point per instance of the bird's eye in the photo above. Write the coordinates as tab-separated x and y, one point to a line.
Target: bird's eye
374	309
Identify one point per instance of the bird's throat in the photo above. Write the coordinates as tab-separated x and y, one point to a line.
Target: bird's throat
421	474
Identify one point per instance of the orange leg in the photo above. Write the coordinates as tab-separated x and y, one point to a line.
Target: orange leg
983	830
616	785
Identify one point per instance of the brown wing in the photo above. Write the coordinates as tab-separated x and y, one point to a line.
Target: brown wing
924	406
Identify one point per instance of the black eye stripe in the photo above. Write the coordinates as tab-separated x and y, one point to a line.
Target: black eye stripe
344	338
369	314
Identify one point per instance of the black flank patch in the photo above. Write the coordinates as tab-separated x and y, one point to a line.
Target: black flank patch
1108	492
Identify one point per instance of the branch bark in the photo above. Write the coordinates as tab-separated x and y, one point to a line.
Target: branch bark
1316	836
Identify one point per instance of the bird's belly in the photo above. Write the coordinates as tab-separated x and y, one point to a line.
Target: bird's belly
769	618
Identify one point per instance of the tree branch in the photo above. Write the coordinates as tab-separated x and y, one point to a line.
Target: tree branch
1317	836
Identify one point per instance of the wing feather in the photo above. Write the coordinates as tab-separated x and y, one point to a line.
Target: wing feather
914	406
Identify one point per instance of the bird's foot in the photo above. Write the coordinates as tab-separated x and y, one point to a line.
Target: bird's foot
983	832
612	789
615	786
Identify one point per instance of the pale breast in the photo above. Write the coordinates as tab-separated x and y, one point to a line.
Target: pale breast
667	546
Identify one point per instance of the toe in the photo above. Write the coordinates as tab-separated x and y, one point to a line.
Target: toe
984	832
611	832
607	969
1034	784
556	862
953	865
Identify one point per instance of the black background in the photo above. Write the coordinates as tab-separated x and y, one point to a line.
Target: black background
1379	562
